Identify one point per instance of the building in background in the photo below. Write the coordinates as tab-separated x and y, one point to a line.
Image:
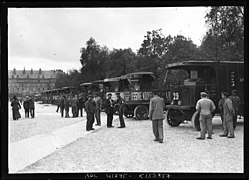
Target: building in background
30	82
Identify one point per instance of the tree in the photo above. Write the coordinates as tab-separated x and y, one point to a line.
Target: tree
182	49
120	62
225	37
153	48
92	59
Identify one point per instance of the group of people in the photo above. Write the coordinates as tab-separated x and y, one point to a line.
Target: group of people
229	107
93	107
65	102
28	105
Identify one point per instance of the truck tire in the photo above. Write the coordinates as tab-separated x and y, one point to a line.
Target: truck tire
141	112
173	117
195	121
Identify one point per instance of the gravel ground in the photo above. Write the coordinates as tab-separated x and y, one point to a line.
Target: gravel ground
132	149
46	120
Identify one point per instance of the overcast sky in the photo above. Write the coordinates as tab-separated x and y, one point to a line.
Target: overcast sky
51	38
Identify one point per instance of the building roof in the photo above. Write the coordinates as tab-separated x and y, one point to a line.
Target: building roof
32	73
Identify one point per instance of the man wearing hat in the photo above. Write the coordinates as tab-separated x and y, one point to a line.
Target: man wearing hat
109	109
90	106
236	104
26	107
205	107
98	102
120	103
228	113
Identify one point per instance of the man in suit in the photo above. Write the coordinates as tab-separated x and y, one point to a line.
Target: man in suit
156	114
98	102
90	107
236	104
26	107
32	107
205	107
120	103
109	109
228	113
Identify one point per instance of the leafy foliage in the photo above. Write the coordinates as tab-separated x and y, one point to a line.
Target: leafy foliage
225	38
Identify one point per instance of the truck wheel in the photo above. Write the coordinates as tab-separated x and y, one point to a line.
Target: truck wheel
195	121
173	117
141	112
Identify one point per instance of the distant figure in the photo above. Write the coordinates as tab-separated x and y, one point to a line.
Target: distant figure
81	106
90	109
62	105
156	114
98	103
205	107
120	101
228	113
236	104
109	109
58	103
220	105
32	107
66	106
26	107
15	108
74	102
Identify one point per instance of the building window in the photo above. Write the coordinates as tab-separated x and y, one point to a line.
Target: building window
22	85
38	89
43	89
17	89
22	89
34	89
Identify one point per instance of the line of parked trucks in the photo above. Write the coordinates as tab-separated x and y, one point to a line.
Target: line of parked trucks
181	89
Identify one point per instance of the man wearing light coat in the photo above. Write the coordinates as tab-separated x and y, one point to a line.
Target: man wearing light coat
156	114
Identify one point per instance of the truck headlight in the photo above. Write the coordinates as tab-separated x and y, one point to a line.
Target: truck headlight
172	102
179	102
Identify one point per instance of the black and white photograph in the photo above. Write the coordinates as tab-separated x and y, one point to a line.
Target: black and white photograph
125	92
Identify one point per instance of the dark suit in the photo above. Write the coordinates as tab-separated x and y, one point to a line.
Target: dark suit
109	109
90	107
26	108
120	102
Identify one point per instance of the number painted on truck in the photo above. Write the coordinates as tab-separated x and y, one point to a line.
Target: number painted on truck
175	95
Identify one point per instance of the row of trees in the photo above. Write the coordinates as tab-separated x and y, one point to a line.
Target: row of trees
224	40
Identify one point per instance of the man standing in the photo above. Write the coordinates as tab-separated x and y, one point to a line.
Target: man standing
221	102
228	113
74	106
66	106
109	109
81	106
32	107
26	107
156	114
120	103
90	109
236	104
98	102
58	103
62	105
205	107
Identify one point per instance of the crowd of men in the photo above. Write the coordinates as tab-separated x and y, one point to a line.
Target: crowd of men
28	105
92	105
228	106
